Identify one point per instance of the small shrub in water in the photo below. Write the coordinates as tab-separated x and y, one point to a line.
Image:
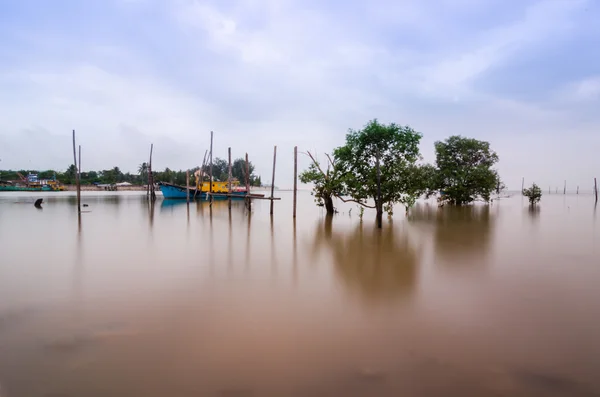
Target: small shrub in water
534	193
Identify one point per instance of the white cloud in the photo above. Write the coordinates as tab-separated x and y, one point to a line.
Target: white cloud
264	73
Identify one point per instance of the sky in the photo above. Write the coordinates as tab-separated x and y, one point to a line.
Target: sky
523	75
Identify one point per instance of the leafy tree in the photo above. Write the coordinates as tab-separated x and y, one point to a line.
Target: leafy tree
464	170
143	171
326	184
534	193
238	170
396	149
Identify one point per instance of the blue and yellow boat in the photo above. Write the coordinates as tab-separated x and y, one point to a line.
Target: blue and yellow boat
220	191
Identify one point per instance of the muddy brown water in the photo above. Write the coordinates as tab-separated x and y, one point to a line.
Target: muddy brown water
135	300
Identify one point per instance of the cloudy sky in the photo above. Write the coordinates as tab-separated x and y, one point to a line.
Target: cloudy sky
524	75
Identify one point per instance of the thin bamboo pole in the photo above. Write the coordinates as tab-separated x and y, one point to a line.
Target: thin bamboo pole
200	180
211	167
229	178
295	179
79	177
247	176
76	175
187	186
150	175
379	205
522	185
273	178
596	189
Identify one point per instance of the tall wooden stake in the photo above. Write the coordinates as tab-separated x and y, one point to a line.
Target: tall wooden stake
522	185
211	167
379	205
79	177
273	179
187	185
229	179
200	180
596	188
247	175
565	188
150	175
76	175
577	189
295	179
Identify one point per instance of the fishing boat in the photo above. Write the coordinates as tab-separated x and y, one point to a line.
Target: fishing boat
220	191
31	183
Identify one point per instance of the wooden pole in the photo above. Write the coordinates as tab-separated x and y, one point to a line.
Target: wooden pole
79	179
379	205
577	189
295	179
565	188
522	185
556	190
150	175
200	180
549	189
229	178
211	167
247	177
76	175
596	189
273	178
187	185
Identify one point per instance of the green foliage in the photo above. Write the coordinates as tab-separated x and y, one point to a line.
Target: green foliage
238	171
115	175
464	170
534	193
398	150
326	184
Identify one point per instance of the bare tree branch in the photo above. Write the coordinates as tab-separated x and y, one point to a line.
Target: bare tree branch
354	201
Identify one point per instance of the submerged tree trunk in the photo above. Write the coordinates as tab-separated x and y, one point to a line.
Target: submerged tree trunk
328	204
379	208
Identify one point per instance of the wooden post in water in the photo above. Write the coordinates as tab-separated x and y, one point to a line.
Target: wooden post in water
76	175
79	177
578	189
211	168
247	177
229	179
378	204
187	186
549	189
596	189
565	188
556	190
295	180
522	185
273	178
150	175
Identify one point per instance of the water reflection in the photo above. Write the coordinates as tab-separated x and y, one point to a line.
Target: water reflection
533	213
462	235
378	265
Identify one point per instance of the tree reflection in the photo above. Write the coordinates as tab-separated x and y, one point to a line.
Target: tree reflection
378	265
462	235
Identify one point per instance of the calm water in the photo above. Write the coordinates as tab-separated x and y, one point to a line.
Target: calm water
161	301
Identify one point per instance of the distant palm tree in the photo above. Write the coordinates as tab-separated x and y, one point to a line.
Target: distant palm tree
143	171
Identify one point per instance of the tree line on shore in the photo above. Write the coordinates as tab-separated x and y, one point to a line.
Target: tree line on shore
380	165
115	175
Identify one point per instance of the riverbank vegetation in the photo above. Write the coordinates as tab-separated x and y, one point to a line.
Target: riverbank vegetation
381	165
115	175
